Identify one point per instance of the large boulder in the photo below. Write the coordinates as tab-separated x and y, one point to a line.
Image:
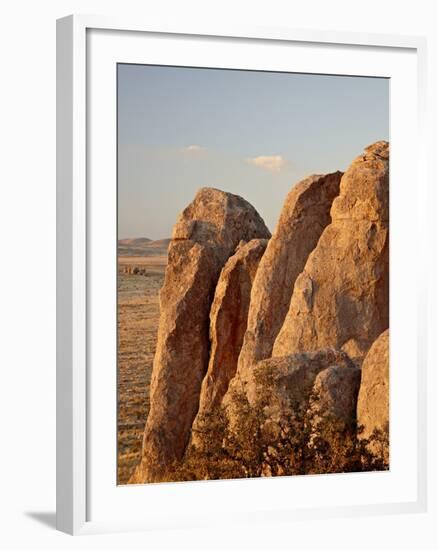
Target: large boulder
228	318
334	395
373	400
268	410
280	387
341	297
305	214
331	420
205	235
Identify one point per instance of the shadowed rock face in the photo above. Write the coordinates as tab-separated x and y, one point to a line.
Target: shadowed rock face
305	214
335	393
332	408
341	297
205	235
373	400
228	319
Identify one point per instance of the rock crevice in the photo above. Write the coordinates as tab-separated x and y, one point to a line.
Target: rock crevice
305	214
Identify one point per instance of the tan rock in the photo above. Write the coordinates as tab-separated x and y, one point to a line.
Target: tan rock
228	319
280	387
267	410
341	297
221	220
334	394
205	235
331	419
373	400
305	214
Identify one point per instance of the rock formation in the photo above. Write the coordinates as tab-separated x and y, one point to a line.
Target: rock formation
341	297
373	400
260	343
334	395
331	419
289	402
305	214
205	235
228	318
281	386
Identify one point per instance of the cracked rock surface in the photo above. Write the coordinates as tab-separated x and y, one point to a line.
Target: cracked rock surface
341	298
305	214
204	237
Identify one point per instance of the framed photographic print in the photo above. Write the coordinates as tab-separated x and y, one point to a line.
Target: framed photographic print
241	317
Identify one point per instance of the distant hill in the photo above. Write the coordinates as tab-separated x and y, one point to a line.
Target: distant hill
135	242
143	247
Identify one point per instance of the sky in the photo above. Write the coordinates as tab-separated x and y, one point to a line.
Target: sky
251	133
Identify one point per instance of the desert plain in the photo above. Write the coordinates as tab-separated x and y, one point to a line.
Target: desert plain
138	314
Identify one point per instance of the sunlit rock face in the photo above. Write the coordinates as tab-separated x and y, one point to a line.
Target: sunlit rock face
204	237
305	214
341	298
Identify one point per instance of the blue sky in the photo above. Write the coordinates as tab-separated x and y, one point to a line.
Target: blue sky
251	133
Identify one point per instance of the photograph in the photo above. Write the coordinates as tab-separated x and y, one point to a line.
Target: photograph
253	274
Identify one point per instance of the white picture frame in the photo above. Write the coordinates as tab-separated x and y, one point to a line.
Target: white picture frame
76	214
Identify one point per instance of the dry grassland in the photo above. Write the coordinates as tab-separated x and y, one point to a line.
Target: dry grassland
138	313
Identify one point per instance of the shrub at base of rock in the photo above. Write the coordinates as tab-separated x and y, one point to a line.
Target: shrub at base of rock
296	415
331	420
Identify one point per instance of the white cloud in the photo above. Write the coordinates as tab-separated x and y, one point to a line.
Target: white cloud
272	163
193	149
